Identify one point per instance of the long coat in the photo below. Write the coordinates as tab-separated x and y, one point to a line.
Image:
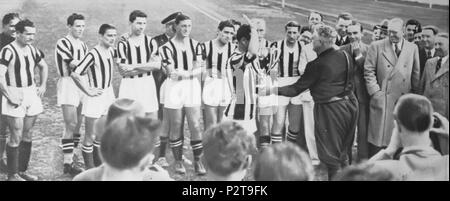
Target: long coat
434	86
387	78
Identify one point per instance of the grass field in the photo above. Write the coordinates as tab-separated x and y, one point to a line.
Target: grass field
50	16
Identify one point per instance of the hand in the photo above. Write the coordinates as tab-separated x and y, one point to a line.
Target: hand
41	90
444	127
263	90
94	92
16	102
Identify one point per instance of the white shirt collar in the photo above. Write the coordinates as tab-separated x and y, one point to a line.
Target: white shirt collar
400	45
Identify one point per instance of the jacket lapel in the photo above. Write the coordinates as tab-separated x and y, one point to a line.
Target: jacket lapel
389	53
442	71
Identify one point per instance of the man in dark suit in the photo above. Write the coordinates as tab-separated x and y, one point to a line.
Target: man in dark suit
329	79
428	51
358	50
344	20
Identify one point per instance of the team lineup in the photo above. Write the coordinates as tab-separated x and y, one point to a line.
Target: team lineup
274	90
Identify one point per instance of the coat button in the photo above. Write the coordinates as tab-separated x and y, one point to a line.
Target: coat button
388	66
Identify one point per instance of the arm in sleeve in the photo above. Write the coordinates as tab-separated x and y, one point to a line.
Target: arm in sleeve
310	76
370	68
415	74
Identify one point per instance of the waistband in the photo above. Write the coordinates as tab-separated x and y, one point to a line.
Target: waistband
139	75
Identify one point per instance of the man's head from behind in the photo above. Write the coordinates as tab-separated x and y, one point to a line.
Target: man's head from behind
323	38
364	172
124	106
9	22
283	162
128	142
227	151
413	115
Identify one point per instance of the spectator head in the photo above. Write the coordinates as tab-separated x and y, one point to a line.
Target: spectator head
227	150
225	31
292	29
124	106
25	32
314	18
441	44
413	115
345	19
395	30
323	38
9	22
283	162
363	172
128	143
412	27
428	35
76	25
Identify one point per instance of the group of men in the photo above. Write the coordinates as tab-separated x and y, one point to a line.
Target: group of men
326	79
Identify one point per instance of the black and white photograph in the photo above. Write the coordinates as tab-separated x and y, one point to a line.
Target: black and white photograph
224	90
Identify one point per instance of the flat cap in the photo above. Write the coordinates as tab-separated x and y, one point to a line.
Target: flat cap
170	18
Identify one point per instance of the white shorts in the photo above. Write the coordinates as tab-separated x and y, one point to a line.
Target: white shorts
95	107
284	100
182	93
161	92
68	93
142	90
31	104
248	125
216	92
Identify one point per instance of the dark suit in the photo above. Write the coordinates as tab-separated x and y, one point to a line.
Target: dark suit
345	42
360	91
423	59
329	79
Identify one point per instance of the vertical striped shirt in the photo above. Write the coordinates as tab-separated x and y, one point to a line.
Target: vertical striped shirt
131	53
264	57
68	49
20	64
292	61
181	57
216	58
98	64
245	71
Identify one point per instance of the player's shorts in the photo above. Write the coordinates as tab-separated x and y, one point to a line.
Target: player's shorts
142	90
95	107
31	104
182	93
162	91
284	100
68	93
216	92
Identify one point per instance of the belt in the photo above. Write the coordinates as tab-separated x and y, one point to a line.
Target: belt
333	99
139	75
218	75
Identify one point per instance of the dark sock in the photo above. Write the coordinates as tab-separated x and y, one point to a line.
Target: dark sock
3	145
12	155
197	149
177	148
76	139
67	148
276	138
162	146
96	154
264	141
88	157
24	155
292	136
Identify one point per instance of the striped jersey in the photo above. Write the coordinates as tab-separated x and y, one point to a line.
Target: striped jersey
216	58
291	61
130	52
245	73
68	49
181	57
264	57
98	65
20	64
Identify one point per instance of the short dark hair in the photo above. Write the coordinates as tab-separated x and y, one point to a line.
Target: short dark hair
414	112
305	28
363	172
20	26
292	24
225	23
8	17
226	148
244	32
105	27
345	16
283	162
315	12
235	22
135	14
432	28
181	17
415	23
127	140
75	16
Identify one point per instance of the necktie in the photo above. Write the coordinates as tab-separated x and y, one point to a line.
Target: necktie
438	66
428	54
341	42
397	50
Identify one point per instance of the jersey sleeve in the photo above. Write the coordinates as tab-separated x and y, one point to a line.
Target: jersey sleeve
122	52
5	56
87	62
63	50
